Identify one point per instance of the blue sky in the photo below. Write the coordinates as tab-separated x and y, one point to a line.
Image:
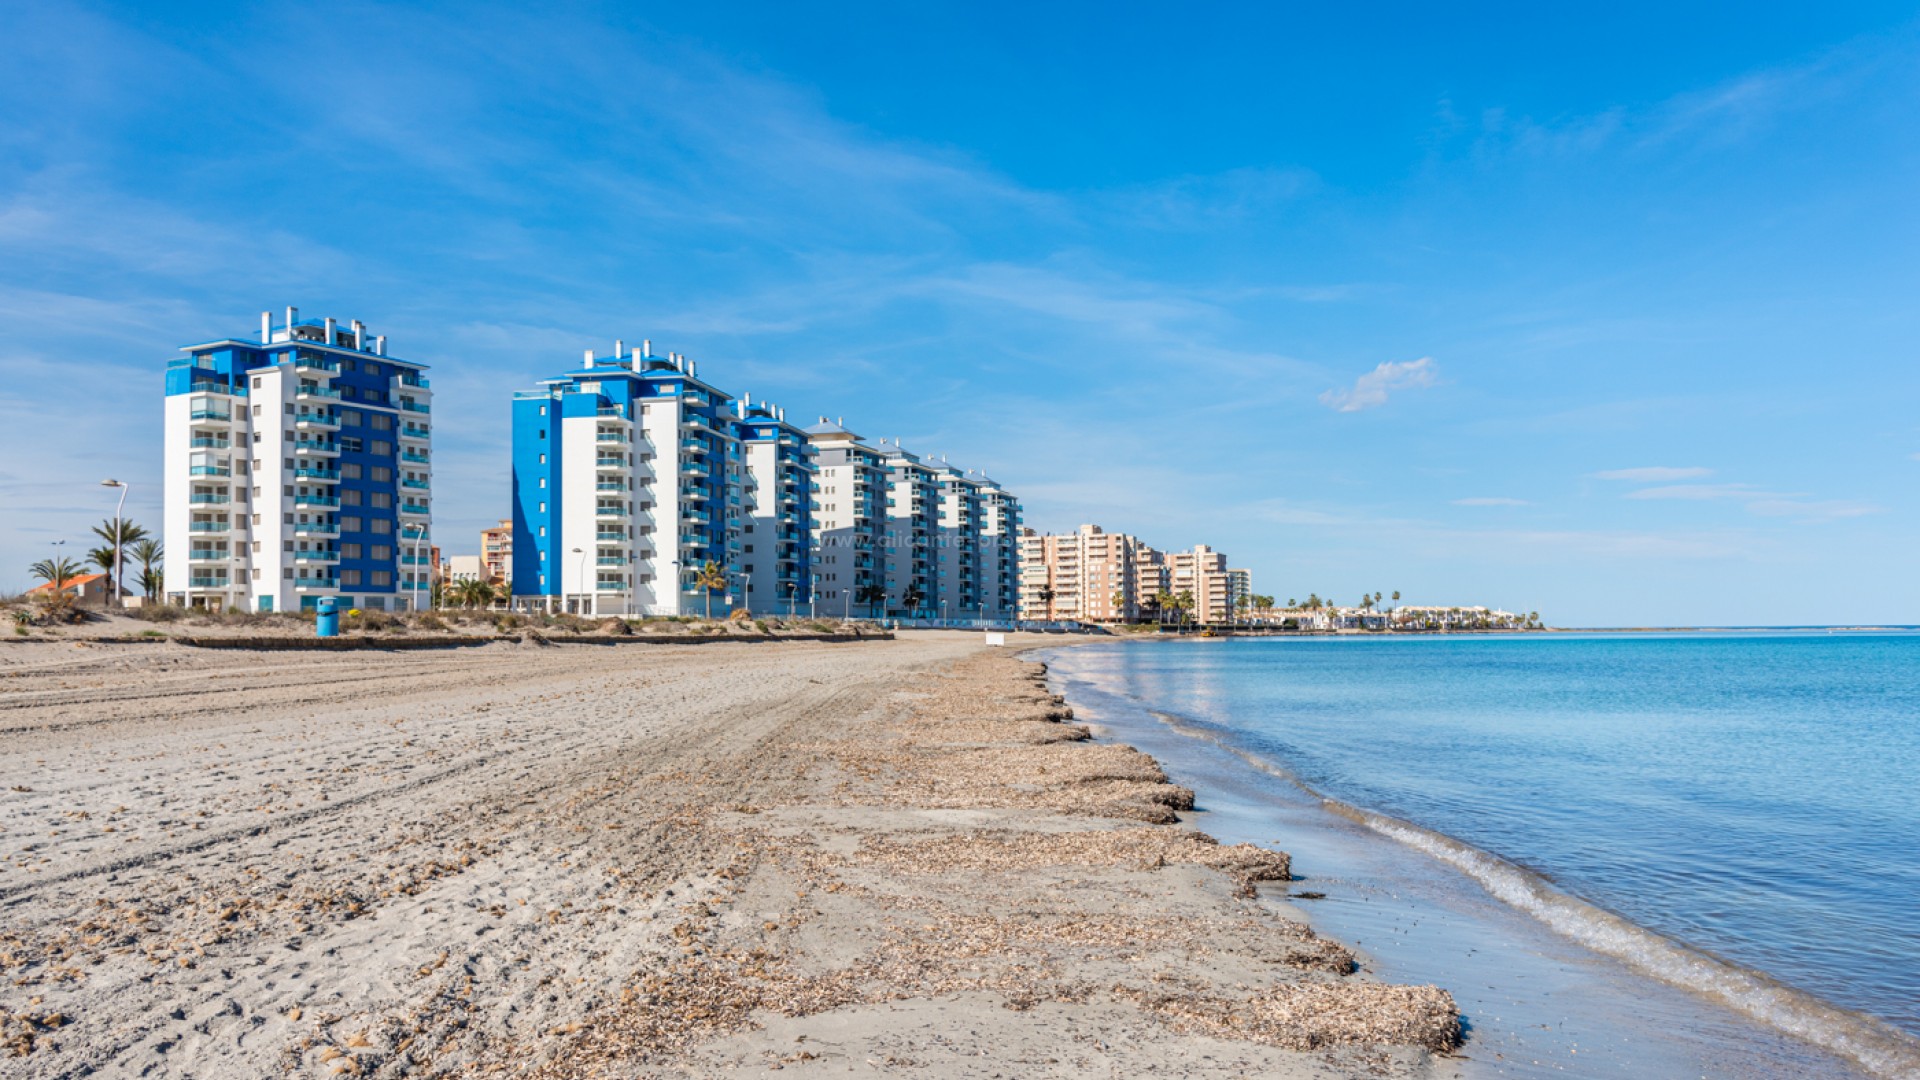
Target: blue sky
1612	319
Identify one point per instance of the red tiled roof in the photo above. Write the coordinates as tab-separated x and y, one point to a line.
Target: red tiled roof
72	583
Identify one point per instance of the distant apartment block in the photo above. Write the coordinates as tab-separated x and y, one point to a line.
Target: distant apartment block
905	536
1091	575
496	552
631	476
297	466
1088	575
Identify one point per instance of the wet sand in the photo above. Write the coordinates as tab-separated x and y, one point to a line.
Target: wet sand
888	857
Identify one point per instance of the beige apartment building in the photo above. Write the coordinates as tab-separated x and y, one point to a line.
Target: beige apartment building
496	552
1203	574
1087	575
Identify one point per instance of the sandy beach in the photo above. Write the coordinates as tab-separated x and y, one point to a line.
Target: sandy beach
895	857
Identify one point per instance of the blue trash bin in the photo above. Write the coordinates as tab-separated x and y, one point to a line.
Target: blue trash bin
326	619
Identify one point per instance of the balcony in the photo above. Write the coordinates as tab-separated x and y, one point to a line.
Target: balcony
408	378
696	470
609	464
416	457
696	517
415	509
610	560
414	431
694	446
316	556
415	559
302	582
210	470
325	476
611	438
414	407
208	555
209	442
610	537
202	498
610	486
610	586
209	527
310	501
316	421
207	583
316	448
315	393
315	528
694	493
310	363
612	512
694	540
417	485
210	416
612	412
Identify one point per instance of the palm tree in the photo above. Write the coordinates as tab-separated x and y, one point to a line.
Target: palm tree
709	578
872	596
1120	604
912	599
148	553
1046	597
1163	603
119	533
55	572
1183	604
103	560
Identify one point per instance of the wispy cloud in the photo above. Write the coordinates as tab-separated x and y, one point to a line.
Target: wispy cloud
1653	474
1812	511
1370	390
1491	500
1702	492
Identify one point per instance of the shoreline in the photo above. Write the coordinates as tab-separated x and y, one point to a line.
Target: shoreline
513	860
1368	855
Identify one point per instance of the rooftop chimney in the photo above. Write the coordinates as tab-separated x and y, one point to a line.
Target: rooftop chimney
330	324
293	315
589	359
380	344
646	348
266	327
359	329
619	348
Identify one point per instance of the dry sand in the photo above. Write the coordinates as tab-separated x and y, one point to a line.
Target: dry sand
888	857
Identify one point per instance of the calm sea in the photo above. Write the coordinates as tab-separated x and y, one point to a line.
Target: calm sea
1735	814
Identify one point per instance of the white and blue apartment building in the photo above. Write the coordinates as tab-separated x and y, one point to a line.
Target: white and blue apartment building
297	466
631	474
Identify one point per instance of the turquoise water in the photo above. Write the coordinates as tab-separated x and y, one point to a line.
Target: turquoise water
1747	798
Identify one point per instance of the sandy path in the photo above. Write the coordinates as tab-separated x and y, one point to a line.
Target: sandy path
512	858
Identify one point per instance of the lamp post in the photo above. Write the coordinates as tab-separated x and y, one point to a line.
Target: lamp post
119	531
746	584
419	534
582	552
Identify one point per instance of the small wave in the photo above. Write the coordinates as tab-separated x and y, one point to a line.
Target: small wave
1873	1044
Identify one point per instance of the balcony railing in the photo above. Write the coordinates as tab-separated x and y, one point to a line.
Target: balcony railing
210	470
204	442
414	456
609	560
415	508
410	379
211	414
610	586
414	431
203	499
609	485
328	475
315	446
694	446
319	418
414	406
207	583
610	537
612	437
316	500
314	556
201	386
209	527
315	392
208	555
410	482
316	582
315	528
610	511
415	560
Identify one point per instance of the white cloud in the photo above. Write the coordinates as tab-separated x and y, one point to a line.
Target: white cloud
1703	492
1491	500
1806	511
1370	390
1653	474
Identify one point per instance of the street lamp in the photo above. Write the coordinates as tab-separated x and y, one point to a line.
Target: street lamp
584	597
119	531
419	534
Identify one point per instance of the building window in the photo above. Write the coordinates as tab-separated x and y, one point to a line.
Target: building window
380	421
350	578
382	449
543	459
382	527
382	552
349	524
352	446
350	497
543	482
382	577
543	508
382	474
350	417
380	500
349	551
350	471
